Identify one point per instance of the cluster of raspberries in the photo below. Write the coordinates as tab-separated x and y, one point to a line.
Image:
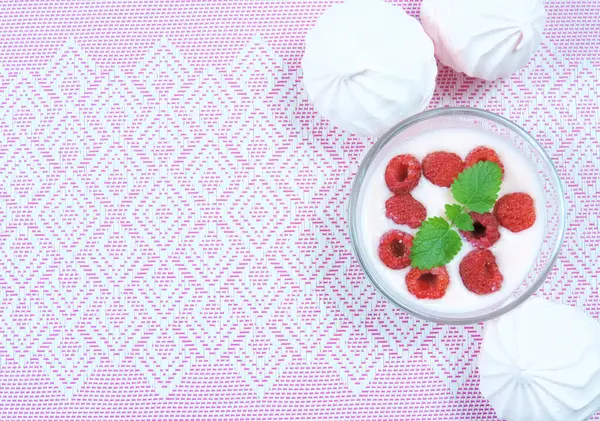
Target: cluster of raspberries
478	269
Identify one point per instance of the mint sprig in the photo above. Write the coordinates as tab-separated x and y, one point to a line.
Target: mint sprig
457	216
435	244
475	189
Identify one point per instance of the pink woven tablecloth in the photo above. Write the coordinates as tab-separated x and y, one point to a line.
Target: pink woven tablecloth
173	231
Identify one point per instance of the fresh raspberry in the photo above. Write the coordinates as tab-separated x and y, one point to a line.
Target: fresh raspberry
479	272
394	249
485	233
405	209
402	174
430	284
481	153
515	211
442	168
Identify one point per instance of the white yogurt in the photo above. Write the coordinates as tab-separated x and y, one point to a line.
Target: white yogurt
515	252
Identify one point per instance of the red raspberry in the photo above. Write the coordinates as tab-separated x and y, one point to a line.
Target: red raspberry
430	284
486	231
405	209
481	153
515	211
442	168
479	272
402	174
394	249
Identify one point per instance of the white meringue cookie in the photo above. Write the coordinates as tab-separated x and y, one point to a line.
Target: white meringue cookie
541	362
488	39
368	65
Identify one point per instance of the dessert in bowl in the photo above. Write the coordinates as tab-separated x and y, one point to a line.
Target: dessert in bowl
415	183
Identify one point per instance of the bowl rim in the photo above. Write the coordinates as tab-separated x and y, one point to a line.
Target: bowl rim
470	112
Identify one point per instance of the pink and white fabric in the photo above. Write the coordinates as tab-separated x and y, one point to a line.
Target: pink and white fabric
173	230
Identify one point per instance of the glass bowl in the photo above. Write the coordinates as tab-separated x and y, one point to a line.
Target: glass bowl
519	138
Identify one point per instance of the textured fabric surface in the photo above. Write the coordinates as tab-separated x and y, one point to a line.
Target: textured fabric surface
173	231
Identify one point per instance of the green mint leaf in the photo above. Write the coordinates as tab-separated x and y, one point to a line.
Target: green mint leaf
464	222
456	214
477	187
435	244
453	211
